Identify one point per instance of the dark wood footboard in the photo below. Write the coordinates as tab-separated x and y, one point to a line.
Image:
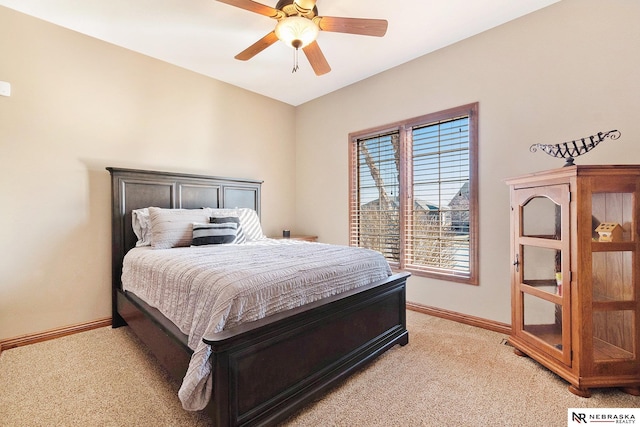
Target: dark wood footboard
267	369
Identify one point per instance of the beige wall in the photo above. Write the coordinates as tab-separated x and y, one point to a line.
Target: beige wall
567	71
79	105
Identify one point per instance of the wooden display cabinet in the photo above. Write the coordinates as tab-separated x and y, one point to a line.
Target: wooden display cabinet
576	294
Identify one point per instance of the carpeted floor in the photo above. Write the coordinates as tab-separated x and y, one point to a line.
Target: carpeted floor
449	374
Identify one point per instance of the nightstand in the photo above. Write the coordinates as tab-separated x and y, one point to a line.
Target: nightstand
297	237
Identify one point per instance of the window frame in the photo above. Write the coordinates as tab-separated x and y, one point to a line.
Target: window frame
404	129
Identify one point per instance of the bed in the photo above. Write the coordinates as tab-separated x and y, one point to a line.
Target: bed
266	369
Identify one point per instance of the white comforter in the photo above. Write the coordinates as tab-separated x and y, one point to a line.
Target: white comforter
206	289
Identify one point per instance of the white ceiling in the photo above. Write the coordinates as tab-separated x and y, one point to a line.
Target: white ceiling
205	35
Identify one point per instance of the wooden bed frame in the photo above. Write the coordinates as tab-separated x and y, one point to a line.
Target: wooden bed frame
267	369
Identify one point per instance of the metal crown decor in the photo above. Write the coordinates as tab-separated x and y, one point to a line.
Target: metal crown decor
570	150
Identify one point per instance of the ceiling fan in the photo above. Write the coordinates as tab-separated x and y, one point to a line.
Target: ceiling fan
298	26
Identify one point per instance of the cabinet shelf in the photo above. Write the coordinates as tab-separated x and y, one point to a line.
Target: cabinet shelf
612	305
613	246
604	351
550	334
549	292
540	242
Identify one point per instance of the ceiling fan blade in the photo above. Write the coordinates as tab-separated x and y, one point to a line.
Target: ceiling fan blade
253	6
257	47
316	58
362	26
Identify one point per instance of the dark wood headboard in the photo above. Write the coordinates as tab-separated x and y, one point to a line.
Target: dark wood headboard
134	189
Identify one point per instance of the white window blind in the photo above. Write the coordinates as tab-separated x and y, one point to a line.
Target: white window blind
377	206
438	238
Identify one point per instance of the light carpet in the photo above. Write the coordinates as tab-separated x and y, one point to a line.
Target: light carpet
449	374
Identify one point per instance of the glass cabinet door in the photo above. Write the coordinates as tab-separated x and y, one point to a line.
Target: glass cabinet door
542	269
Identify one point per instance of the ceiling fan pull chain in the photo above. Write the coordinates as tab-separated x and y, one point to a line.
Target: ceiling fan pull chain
295	61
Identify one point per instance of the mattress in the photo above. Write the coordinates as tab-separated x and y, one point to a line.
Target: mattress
207	289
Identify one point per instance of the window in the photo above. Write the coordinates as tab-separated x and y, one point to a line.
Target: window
413	193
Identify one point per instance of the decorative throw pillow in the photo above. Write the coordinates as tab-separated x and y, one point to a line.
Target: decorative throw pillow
172	228
250	224
214	234
224	219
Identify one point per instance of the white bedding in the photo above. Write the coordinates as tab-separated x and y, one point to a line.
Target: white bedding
207	289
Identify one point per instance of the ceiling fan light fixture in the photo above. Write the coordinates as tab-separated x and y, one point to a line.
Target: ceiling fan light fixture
297	31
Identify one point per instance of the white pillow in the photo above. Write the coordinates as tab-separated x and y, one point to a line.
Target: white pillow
171	228
141	226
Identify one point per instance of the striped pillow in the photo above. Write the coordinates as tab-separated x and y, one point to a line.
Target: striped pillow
171	228
223	219
214	234
250	224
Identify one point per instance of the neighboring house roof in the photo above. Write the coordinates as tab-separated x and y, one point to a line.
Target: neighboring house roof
396	203
462	197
